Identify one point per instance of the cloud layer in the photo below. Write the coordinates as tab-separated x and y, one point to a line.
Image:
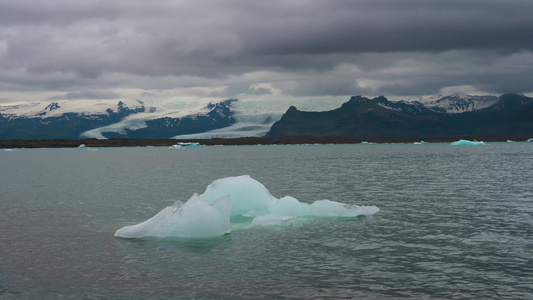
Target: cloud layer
265	48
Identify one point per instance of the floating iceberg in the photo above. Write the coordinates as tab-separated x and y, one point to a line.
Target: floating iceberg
467	143
210	214
182	145
185	144
194	219
249	197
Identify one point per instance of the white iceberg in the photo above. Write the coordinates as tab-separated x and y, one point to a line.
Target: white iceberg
290	206
188	144
194	219
210	214
467	143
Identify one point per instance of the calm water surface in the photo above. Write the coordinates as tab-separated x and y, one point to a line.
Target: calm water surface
455	222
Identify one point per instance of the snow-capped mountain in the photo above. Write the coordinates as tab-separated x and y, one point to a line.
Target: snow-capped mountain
74	119
106	119
456	104
82	108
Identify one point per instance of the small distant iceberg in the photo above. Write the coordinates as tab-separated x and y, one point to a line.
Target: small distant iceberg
234	198
182	145
82	146
9	150
185	144
467	143
419	143
367	143
530	140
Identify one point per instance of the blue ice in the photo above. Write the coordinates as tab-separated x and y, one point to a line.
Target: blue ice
210	214
467	143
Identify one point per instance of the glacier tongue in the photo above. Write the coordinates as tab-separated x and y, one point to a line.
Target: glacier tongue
210	214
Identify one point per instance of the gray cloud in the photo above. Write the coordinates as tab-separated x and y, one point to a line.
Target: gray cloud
234	90
87	95
64	45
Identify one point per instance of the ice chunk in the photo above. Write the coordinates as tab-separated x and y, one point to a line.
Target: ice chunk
210	214
194	219
467	143
273	220
327	208
185	144
249	196
290	206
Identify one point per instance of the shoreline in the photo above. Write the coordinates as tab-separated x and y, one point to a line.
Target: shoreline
290	140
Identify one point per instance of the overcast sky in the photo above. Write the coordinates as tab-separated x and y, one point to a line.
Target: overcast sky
64	49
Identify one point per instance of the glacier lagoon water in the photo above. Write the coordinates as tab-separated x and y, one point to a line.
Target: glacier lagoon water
454	222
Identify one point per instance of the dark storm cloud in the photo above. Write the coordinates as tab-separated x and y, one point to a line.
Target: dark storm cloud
392	26
96	45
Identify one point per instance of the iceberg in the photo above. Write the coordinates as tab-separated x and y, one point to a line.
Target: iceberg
194	219
249	197
188	144
467	143
234	198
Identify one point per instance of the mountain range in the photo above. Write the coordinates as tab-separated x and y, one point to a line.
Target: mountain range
509	114
93	119
359	117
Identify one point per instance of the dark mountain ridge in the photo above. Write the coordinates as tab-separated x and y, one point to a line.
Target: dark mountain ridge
510	114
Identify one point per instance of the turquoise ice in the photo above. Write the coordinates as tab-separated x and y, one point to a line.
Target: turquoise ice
210	214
